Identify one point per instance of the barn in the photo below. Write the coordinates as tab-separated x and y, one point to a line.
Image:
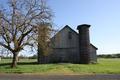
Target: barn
69	46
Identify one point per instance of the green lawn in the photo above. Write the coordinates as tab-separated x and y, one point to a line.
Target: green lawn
106	66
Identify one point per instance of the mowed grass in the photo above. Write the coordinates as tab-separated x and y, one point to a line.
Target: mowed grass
104	66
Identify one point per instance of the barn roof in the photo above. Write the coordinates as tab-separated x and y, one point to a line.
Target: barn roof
67	26
70	29
63	29
94	46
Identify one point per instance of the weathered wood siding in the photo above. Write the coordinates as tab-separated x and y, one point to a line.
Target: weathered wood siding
93	54
65	46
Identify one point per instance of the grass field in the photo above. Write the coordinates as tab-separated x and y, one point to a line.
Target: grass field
104	66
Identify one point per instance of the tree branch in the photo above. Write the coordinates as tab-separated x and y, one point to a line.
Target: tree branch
5	46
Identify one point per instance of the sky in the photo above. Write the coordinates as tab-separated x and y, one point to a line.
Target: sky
102	15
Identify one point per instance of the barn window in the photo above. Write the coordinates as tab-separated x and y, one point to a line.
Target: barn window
69	35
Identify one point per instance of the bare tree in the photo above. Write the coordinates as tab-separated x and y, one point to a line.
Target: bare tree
18	25
4	52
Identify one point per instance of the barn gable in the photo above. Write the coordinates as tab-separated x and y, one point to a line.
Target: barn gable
65	38
65	45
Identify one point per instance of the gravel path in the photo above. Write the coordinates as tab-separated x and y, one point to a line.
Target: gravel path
58	77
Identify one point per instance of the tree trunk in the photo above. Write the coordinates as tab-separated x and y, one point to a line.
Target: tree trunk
14	60
39	54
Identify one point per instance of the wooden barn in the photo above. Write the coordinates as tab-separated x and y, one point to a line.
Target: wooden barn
68	46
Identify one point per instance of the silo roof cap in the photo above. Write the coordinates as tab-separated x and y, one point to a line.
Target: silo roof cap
83	25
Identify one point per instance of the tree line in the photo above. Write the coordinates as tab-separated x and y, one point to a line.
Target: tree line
109	55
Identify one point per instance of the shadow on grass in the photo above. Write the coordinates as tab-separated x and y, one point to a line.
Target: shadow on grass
19	63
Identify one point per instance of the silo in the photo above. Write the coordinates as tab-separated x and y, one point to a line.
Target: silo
84	43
